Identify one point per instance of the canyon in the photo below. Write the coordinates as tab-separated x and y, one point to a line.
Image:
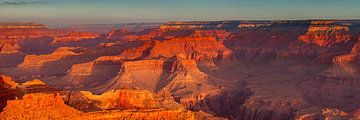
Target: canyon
237	70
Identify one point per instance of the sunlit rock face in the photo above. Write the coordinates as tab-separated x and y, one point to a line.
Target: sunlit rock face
9	47
9	90
37	62
40	103
122	34
76	36
197	45
260	70
39	106
15	30
326	33
16	38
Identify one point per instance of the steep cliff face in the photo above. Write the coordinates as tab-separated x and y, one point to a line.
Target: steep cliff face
349	63
37	62
268	43
196	46
9	90
177	76
326	33
91	74
137	53
143	74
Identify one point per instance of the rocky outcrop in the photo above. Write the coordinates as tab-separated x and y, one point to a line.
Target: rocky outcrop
26	34
349	63
178	76
121	102
160	34
9	47
27	37
76	36
326	33
121	34
39	106
37	62
220	35
9	90
37	86
195	46
113	99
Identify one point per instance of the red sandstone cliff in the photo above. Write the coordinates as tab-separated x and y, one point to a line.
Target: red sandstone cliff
264	72
114	104
76	36
326	33
9	90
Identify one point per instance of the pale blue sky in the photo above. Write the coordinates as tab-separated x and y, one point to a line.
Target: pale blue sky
55	12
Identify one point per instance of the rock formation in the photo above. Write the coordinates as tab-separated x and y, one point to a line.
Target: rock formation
113	104
39	106
37	86
51	106
114	99
196	46
325	33
37	62
273	70
121	34
9	47
9	90
76	36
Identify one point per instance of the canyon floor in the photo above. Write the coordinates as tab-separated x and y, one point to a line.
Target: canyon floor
211	70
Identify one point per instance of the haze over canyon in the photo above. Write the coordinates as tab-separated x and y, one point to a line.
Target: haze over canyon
204	70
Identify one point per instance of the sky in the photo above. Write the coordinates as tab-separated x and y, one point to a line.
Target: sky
65	12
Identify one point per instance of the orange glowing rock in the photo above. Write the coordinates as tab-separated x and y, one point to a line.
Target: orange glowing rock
325	33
